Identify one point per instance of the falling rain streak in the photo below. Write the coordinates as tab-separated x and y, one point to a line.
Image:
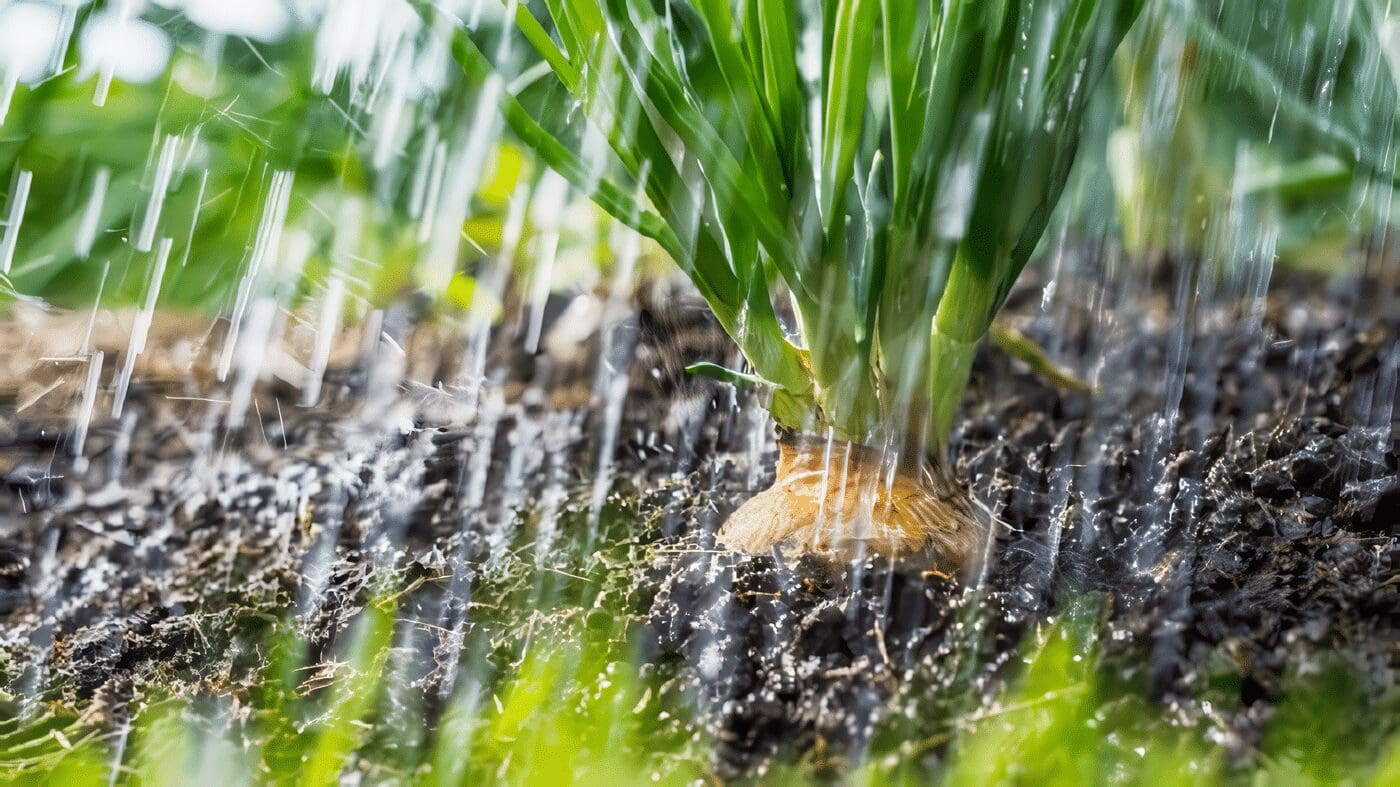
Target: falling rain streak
19	198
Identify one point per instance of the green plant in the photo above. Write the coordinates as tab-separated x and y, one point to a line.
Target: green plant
879	172
581	707
894	191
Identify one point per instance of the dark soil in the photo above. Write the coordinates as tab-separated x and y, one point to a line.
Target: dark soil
1232	487
1259	526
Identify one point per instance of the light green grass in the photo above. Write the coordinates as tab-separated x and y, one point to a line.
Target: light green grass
574	711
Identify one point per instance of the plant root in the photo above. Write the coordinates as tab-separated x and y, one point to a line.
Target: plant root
846	501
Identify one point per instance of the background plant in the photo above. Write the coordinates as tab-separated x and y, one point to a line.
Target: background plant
1277	117
231	112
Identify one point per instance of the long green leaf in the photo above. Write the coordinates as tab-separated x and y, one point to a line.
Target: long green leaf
712	371
782	87
666	94
905	41
744	100
848	75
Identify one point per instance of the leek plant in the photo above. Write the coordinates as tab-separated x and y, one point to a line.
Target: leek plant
852	185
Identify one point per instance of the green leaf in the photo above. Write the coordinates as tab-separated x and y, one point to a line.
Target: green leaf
782	87
742	193
744	100
906	38
848	74
1018	345
534	32
711	371
1308	177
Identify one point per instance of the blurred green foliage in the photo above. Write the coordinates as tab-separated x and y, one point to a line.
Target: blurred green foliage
1251	129
575	710
235	119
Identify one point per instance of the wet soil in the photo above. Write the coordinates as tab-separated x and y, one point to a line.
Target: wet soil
1245	529
1232	488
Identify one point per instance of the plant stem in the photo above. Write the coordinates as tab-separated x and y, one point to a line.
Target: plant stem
845	381
964	313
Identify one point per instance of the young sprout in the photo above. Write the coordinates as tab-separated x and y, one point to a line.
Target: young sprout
853	186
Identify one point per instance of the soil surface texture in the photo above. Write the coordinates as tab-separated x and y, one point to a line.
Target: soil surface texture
1230	489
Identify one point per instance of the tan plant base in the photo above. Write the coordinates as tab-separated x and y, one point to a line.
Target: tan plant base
852	505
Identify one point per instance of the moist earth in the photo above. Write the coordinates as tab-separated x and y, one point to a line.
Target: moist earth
1230	488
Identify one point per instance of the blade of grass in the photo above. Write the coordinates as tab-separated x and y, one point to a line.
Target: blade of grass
724	39
665	90
1016	344
906	36
354	698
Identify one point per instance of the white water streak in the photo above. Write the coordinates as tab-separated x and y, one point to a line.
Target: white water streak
96	302
165	169
326	330
268	240
141	326
251	355
349	221
422	172
603	478
387	125
627	249
104	85
8	83
545	213
194	220
483	309
436	171
19	197
82	418
456	194
92	214
64	39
